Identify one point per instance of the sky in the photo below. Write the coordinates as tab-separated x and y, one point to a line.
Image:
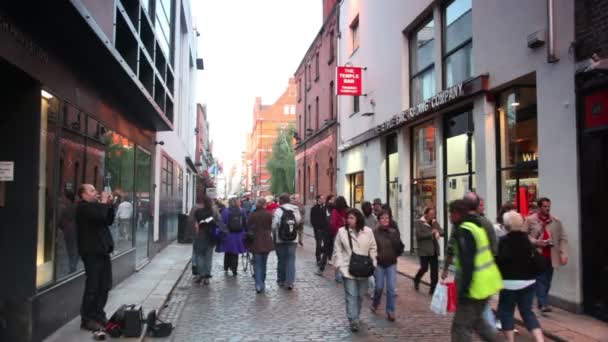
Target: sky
250	48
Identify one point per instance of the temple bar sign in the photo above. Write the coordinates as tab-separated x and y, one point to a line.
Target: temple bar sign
452	94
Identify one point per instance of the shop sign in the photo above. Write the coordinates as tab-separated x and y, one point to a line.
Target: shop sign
349	81
596	109
22	39
7	171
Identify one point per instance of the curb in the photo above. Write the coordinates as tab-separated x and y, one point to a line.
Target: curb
164	303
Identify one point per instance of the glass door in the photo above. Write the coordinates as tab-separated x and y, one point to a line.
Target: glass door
144	204
392	175
459	158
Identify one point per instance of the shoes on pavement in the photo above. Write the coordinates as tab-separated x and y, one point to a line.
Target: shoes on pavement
416	285
234	273
206	281
354	326
390	316
258	291
319	273
289	287
280	284
198	279
90	325
373	309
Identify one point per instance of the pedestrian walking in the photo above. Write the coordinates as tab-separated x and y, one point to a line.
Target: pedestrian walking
124	216
285	223
548	235
477	276
499	227
319	224
370	219
260	244
354	238
95	244
233	244
389	245
328	236
377	207
207	218
337	221
428	233
387	208
517	264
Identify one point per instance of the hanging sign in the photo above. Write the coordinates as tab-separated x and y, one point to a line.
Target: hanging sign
349	81
7	171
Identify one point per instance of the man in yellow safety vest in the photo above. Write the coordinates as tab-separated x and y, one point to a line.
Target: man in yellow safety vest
477	276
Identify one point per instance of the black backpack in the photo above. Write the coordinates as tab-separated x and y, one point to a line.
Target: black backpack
235	220
288	229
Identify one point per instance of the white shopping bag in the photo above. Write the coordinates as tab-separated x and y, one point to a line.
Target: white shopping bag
439	303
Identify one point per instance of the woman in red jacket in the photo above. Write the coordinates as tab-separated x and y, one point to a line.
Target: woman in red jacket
337	220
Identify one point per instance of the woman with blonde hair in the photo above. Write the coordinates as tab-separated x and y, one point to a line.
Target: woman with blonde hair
516	261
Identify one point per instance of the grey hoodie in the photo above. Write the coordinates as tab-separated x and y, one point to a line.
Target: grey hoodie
276	220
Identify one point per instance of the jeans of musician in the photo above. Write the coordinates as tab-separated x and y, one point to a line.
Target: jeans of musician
260	262
543	285
98	282
385	276
286	263
204	261
354	290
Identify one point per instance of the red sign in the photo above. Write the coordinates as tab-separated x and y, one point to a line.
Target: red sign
349	81
596	109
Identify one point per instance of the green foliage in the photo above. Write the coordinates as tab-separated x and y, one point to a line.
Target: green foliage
282	163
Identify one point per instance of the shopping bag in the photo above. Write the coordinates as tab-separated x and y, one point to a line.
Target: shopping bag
488	316
439	303
451	296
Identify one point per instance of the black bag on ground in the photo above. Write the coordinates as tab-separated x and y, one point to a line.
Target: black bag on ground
134	317
360	266
156	327
288	228
235	220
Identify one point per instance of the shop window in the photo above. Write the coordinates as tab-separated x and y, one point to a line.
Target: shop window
45	248
517	132
356	189
392	173
424	166
422	66
458	42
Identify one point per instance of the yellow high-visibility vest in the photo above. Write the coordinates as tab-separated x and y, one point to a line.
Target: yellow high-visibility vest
486	276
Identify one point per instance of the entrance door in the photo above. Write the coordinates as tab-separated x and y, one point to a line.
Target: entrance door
144	205
594	235
392	175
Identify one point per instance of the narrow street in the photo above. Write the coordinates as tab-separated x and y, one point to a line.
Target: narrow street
229	309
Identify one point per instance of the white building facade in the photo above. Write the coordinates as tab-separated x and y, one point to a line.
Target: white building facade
457	97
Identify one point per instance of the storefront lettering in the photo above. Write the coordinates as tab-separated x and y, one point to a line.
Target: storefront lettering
22	39
433	103
528	157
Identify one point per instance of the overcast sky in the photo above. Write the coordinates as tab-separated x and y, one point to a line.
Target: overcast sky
250	48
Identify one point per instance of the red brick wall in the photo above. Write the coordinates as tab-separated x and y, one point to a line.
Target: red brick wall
591	22
328	5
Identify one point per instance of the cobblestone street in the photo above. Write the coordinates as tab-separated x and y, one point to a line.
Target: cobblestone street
229	309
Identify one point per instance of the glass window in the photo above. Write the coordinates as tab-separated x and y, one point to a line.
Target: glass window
317	66
354	32
356	104
49	115
119	180
356	188
518	147
422	68
424	150
163	25
424	194
458	65
460	149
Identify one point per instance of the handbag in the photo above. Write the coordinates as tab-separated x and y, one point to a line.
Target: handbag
156	327
360	266
451	296
439	303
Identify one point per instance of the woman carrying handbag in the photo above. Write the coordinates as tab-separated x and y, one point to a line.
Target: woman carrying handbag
355	254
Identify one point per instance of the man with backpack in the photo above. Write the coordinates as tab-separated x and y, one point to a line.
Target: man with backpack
286	228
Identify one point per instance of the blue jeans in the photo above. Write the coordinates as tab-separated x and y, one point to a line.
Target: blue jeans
286	264
260	261
388	276
523	299
354	290
543	285
204	260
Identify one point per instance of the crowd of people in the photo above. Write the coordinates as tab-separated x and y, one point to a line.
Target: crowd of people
514	257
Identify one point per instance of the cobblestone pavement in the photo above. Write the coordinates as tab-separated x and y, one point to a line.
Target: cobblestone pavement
230	310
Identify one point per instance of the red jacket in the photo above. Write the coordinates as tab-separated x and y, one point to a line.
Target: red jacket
337	220
271	207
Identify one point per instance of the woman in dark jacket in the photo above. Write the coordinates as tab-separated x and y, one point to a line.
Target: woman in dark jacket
389	247
205	217
428	233
516	263
259	226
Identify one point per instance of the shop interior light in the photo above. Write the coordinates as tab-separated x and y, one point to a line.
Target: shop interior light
46	94
515	104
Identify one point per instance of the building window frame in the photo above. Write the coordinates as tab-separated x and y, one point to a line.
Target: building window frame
317	114
355	34
445	53
331	100
317	67
356	183
332	47
416	74
356	104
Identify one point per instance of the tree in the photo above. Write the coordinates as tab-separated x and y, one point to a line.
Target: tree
282	163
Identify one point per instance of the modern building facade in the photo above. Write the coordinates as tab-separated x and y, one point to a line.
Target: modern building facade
268	120
591	50
316	126
450	106
87	86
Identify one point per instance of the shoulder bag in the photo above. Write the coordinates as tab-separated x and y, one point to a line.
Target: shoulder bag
360	266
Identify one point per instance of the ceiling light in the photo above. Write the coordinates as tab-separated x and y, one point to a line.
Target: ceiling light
46	94
515	104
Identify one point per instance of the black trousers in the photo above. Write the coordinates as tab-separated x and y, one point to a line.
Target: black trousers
319	241
231	262
424	267
98	274
327	251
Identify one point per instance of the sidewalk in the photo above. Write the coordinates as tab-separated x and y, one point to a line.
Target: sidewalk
560	325
149	287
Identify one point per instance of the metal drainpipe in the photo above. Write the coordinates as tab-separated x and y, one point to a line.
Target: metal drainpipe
551	57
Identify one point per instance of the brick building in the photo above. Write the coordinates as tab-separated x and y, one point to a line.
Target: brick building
203	155
316	111
591	47
267	121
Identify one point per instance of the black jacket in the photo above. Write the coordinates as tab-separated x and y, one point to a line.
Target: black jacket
318	217
93	234
514	258
389	245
